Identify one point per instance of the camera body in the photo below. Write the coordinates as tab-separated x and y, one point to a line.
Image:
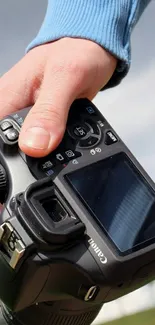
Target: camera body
77	228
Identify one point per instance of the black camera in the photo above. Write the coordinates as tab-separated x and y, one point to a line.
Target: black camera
78	227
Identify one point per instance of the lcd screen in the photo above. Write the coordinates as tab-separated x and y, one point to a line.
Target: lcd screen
120	199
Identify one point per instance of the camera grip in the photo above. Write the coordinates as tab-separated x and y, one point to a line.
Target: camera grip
72	312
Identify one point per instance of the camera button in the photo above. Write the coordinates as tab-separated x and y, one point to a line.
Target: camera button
5	125
12	135
94	129
90	110
88	142
110	138
60	158
46	165
70	154
80	131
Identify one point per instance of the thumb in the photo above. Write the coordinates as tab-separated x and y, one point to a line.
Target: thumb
45	124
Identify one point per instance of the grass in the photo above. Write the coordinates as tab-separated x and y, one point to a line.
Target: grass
143	318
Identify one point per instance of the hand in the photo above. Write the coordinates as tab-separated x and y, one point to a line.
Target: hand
50	77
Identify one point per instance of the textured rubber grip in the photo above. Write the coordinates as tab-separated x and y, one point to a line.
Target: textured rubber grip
57	313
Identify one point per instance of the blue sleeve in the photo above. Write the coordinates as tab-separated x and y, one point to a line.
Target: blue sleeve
106	22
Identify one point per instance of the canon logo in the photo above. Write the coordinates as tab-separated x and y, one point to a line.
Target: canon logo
98	251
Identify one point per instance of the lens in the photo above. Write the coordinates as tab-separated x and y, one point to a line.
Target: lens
57	313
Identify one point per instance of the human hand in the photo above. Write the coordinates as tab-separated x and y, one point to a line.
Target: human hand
50	77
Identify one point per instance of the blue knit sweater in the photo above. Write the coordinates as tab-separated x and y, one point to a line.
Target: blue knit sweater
106	22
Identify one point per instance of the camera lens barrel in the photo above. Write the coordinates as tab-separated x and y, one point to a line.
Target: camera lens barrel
54	313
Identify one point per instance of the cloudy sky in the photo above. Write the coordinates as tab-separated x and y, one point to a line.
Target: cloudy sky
130	108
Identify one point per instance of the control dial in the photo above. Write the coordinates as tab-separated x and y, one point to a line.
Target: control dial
3	184
87	133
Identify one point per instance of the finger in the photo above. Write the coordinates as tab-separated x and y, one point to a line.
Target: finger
45	124
18	87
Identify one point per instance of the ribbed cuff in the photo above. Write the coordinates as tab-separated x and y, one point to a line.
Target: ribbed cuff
106	22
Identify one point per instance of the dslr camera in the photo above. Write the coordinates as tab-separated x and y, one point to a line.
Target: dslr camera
78	226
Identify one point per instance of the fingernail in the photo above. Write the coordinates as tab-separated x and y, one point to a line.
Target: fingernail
37	138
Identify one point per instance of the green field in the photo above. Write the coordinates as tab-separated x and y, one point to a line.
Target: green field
143	318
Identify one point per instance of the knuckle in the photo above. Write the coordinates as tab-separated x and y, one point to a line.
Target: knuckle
77	71
70	70
77	68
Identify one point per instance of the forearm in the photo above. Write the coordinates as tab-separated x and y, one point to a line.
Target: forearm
106	22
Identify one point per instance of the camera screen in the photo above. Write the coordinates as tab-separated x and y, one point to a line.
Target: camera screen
120	199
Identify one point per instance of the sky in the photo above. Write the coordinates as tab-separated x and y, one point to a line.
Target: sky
130	107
